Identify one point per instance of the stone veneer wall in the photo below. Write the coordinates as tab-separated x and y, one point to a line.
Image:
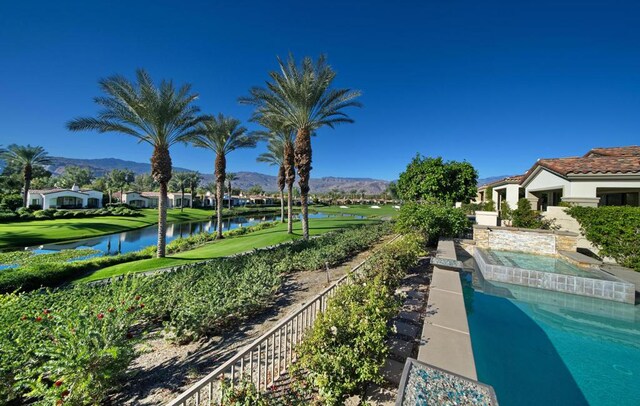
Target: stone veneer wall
543	242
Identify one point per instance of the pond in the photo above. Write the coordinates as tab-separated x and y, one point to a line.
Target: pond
134	240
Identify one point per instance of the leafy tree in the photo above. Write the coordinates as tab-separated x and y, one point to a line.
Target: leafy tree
179	183
144	183
432	220
275	157
300	98
230	177
433	179
255	190
75	175
392	190
505	211
27	157
222	135
489	204
118	179
160	116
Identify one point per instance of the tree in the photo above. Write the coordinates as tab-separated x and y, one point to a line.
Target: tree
275	157
27	157
222	135
194	180
144	183
74	175
255	190
179	182
392	190
160	116
433	179
118	179
300	98
230	177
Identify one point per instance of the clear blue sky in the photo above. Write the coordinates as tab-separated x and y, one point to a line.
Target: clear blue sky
499	84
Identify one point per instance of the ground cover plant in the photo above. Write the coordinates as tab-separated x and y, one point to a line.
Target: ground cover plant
27	214
74	345
615	231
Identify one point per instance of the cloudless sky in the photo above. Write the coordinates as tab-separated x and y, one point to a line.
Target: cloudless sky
499	84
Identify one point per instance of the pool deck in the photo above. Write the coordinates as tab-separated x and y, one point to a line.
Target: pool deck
445	341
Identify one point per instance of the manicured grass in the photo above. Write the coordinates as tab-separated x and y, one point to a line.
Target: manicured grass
229	246
21	234
359	210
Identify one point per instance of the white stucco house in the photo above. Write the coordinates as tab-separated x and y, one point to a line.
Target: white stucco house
150	199
210	200
57	198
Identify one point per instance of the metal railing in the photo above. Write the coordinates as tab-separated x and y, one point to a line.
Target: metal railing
268	357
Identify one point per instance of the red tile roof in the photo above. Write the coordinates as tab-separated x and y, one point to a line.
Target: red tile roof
632	150
589	165
507	180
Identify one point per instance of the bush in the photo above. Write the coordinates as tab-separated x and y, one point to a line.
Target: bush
615	231
525	217
346	347
505	211
432	220
7	216
11	202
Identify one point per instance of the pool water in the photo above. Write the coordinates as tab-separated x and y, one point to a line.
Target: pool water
543	263
538	347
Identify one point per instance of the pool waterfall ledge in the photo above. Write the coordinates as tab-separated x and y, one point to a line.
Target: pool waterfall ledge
445	341
610	288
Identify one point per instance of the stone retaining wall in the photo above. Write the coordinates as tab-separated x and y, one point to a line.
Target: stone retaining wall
545	242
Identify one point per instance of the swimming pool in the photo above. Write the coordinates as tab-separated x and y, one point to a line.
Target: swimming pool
539	347
539	263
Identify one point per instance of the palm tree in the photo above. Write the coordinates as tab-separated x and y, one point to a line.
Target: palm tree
160	116
222	135
180	181
194	180
301	98
230	177
275	157
26	157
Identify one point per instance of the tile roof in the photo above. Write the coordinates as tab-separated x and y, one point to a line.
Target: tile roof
55	190
507	180
593	165
632	150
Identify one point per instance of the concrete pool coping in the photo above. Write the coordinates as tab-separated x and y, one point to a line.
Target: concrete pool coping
445	341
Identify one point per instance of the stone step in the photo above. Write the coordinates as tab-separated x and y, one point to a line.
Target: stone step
411	316
405	329
400	348
392	371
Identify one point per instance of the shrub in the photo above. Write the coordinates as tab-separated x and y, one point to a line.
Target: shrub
6	216
505	211
11	202
432	220
615	231
525	217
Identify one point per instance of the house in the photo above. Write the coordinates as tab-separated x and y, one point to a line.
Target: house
210	200
57	198
260	199
150	199
602	177
507	189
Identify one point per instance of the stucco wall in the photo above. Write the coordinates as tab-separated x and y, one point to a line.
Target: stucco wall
524	240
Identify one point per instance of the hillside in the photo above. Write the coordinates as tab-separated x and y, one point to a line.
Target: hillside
245	179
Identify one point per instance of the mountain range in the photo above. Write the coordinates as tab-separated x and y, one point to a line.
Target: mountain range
245	180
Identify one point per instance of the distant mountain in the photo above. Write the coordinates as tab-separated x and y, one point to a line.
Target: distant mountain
245	179
491	179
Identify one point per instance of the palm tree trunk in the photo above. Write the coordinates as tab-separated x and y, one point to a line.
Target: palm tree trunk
282	205
162	220
161	172
229	192
181	200
219	192
109	191
303	165
290	208
27	184
191	200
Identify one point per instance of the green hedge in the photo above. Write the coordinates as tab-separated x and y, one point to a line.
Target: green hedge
25	214
615	231
432	220
76	344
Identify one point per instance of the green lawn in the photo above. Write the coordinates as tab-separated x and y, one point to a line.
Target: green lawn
44	231
359	210
229	246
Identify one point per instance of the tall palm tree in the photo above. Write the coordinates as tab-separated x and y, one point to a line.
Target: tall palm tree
194	180
301	97
180	181
222	135
275	157
158	115
26	157
230	177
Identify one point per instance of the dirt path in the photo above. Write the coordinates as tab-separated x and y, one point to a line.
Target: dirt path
164	370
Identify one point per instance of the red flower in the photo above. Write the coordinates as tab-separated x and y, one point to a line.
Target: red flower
59	402
38	318
141	305
24	317
46	311
111	310
137	297
64	394
58	383
100	316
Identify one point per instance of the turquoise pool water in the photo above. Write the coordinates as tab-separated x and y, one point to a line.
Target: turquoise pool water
538	347
539	263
